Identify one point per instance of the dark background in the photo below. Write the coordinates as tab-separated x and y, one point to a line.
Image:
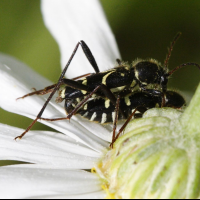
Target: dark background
143	29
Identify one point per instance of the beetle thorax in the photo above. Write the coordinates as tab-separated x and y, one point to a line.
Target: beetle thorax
148	72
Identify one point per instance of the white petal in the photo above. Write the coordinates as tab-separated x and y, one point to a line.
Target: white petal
71	21
91	195
14	77
101	131
20	70
45	148
26	182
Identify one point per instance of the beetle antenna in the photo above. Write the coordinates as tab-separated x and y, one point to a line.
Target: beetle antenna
182	65
171	48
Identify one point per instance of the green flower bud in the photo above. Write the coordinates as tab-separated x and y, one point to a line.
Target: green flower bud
157	157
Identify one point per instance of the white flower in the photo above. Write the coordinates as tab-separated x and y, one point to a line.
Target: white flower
158	156
58	160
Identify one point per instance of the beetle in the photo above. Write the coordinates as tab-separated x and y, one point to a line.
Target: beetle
107	84
134	105
103	111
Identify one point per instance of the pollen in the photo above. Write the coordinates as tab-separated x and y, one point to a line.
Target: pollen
93	170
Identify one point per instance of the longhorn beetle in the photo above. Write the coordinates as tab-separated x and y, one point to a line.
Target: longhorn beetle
104	84
101	111
134	105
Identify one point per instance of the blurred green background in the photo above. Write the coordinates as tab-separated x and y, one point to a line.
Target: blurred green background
143	29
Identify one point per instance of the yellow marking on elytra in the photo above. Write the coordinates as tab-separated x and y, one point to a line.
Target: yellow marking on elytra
133	83
137	112
84	91
137	75
85	114
113	116
127	101
117	89
84	82
85	107
93	116
107	103
62	94
122	74
106	76
104	118
78	100
127	67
